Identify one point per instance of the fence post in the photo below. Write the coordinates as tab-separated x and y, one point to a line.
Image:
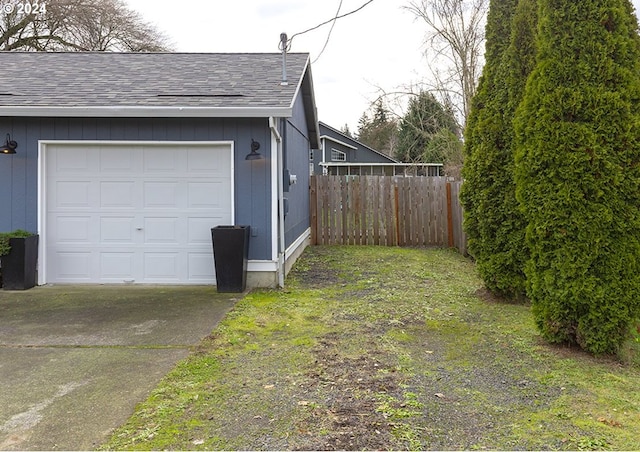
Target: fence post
450	217
313	206
396	211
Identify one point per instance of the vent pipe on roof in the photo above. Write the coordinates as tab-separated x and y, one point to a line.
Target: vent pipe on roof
283	46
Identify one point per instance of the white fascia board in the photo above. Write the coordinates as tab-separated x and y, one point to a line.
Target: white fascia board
306	73
342	143
299	85
145	112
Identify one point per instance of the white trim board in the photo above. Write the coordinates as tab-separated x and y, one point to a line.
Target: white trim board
146	112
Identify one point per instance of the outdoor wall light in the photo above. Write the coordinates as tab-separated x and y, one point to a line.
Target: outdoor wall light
9	146
254	154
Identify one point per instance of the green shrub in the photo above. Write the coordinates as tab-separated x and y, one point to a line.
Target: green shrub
578	173
5	247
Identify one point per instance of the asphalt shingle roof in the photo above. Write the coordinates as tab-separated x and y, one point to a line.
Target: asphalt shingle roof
104	79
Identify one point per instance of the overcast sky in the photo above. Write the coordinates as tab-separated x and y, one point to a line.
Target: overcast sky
381	46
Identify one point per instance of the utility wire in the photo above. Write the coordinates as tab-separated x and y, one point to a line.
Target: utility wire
333	24
324	23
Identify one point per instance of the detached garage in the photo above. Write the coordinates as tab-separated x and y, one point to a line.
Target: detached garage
126	161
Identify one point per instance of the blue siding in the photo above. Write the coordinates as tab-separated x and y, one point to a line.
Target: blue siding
19	173
297	162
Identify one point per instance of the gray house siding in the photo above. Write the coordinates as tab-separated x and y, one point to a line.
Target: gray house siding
297	162
19	173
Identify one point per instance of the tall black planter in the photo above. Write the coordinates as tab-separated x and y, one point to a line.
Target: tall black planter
19	266
230	254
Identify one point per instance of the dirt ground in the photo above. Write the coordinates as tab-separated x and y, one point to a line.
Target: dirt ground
372	400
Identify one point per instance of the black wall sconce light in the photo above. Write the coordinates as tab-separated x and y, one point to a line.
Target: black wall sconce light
254	154
9	146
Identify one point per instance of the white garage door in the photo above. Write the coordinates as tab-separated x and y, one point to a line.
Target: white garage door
131	213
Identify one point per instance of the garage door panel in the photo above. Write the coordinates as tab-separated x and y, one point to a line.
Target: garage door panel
199	229
118	194
76	194
162	266
117	230
118	160
134	213
162	230
73	266
200	267
213	163
72	160
162	194
72	229
119	266
160	160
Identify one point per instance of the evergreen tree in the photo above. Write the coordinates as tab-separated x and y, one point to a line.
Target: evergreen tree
520	58
380	132
492	219
425	118
364	126
346	131
380	115
578	173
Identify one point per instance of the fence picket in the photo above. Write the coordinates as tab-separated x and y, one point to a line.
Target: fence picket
386	210
374	195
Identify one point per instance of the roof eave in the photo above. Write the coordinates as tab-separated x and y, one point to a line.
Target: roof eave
342	143
360	144
145	112
305	86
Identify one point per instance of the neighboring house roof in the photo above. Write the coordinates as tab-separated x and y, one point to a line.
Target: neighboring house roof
106	84
348	141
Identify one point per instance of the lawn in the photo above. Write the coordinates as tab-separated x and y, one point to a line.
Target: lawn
387	348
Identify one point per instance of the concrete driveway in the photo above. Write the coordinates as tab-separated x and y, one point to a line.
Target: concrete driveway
74	361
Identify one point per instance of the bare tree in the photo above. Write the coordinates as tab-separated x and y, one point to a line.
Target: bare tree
455	44
77	25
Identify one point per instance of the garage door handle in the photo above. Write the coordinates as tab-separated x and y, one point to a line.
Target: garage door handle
138	229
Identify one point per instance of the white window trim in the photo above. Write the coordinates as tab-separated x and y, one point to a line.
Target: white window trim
335	152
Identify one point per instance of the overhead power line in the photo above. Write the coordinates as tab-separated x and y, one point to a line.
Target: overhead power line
333	19
333	24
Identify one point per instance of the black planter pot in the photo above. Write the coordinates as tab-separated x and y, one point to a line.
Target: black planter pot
230	254
19	266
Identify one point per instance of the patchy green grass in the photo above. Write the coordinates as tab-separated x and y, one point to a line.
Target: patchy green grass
387	348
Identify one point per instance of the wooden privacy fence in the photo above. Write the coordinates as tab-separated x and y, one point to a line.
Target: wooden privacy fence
386	210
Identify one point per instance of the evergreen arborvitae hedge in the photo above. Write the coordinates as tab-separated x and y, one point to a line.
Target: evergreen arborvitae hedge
492	219
520	58
578	173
